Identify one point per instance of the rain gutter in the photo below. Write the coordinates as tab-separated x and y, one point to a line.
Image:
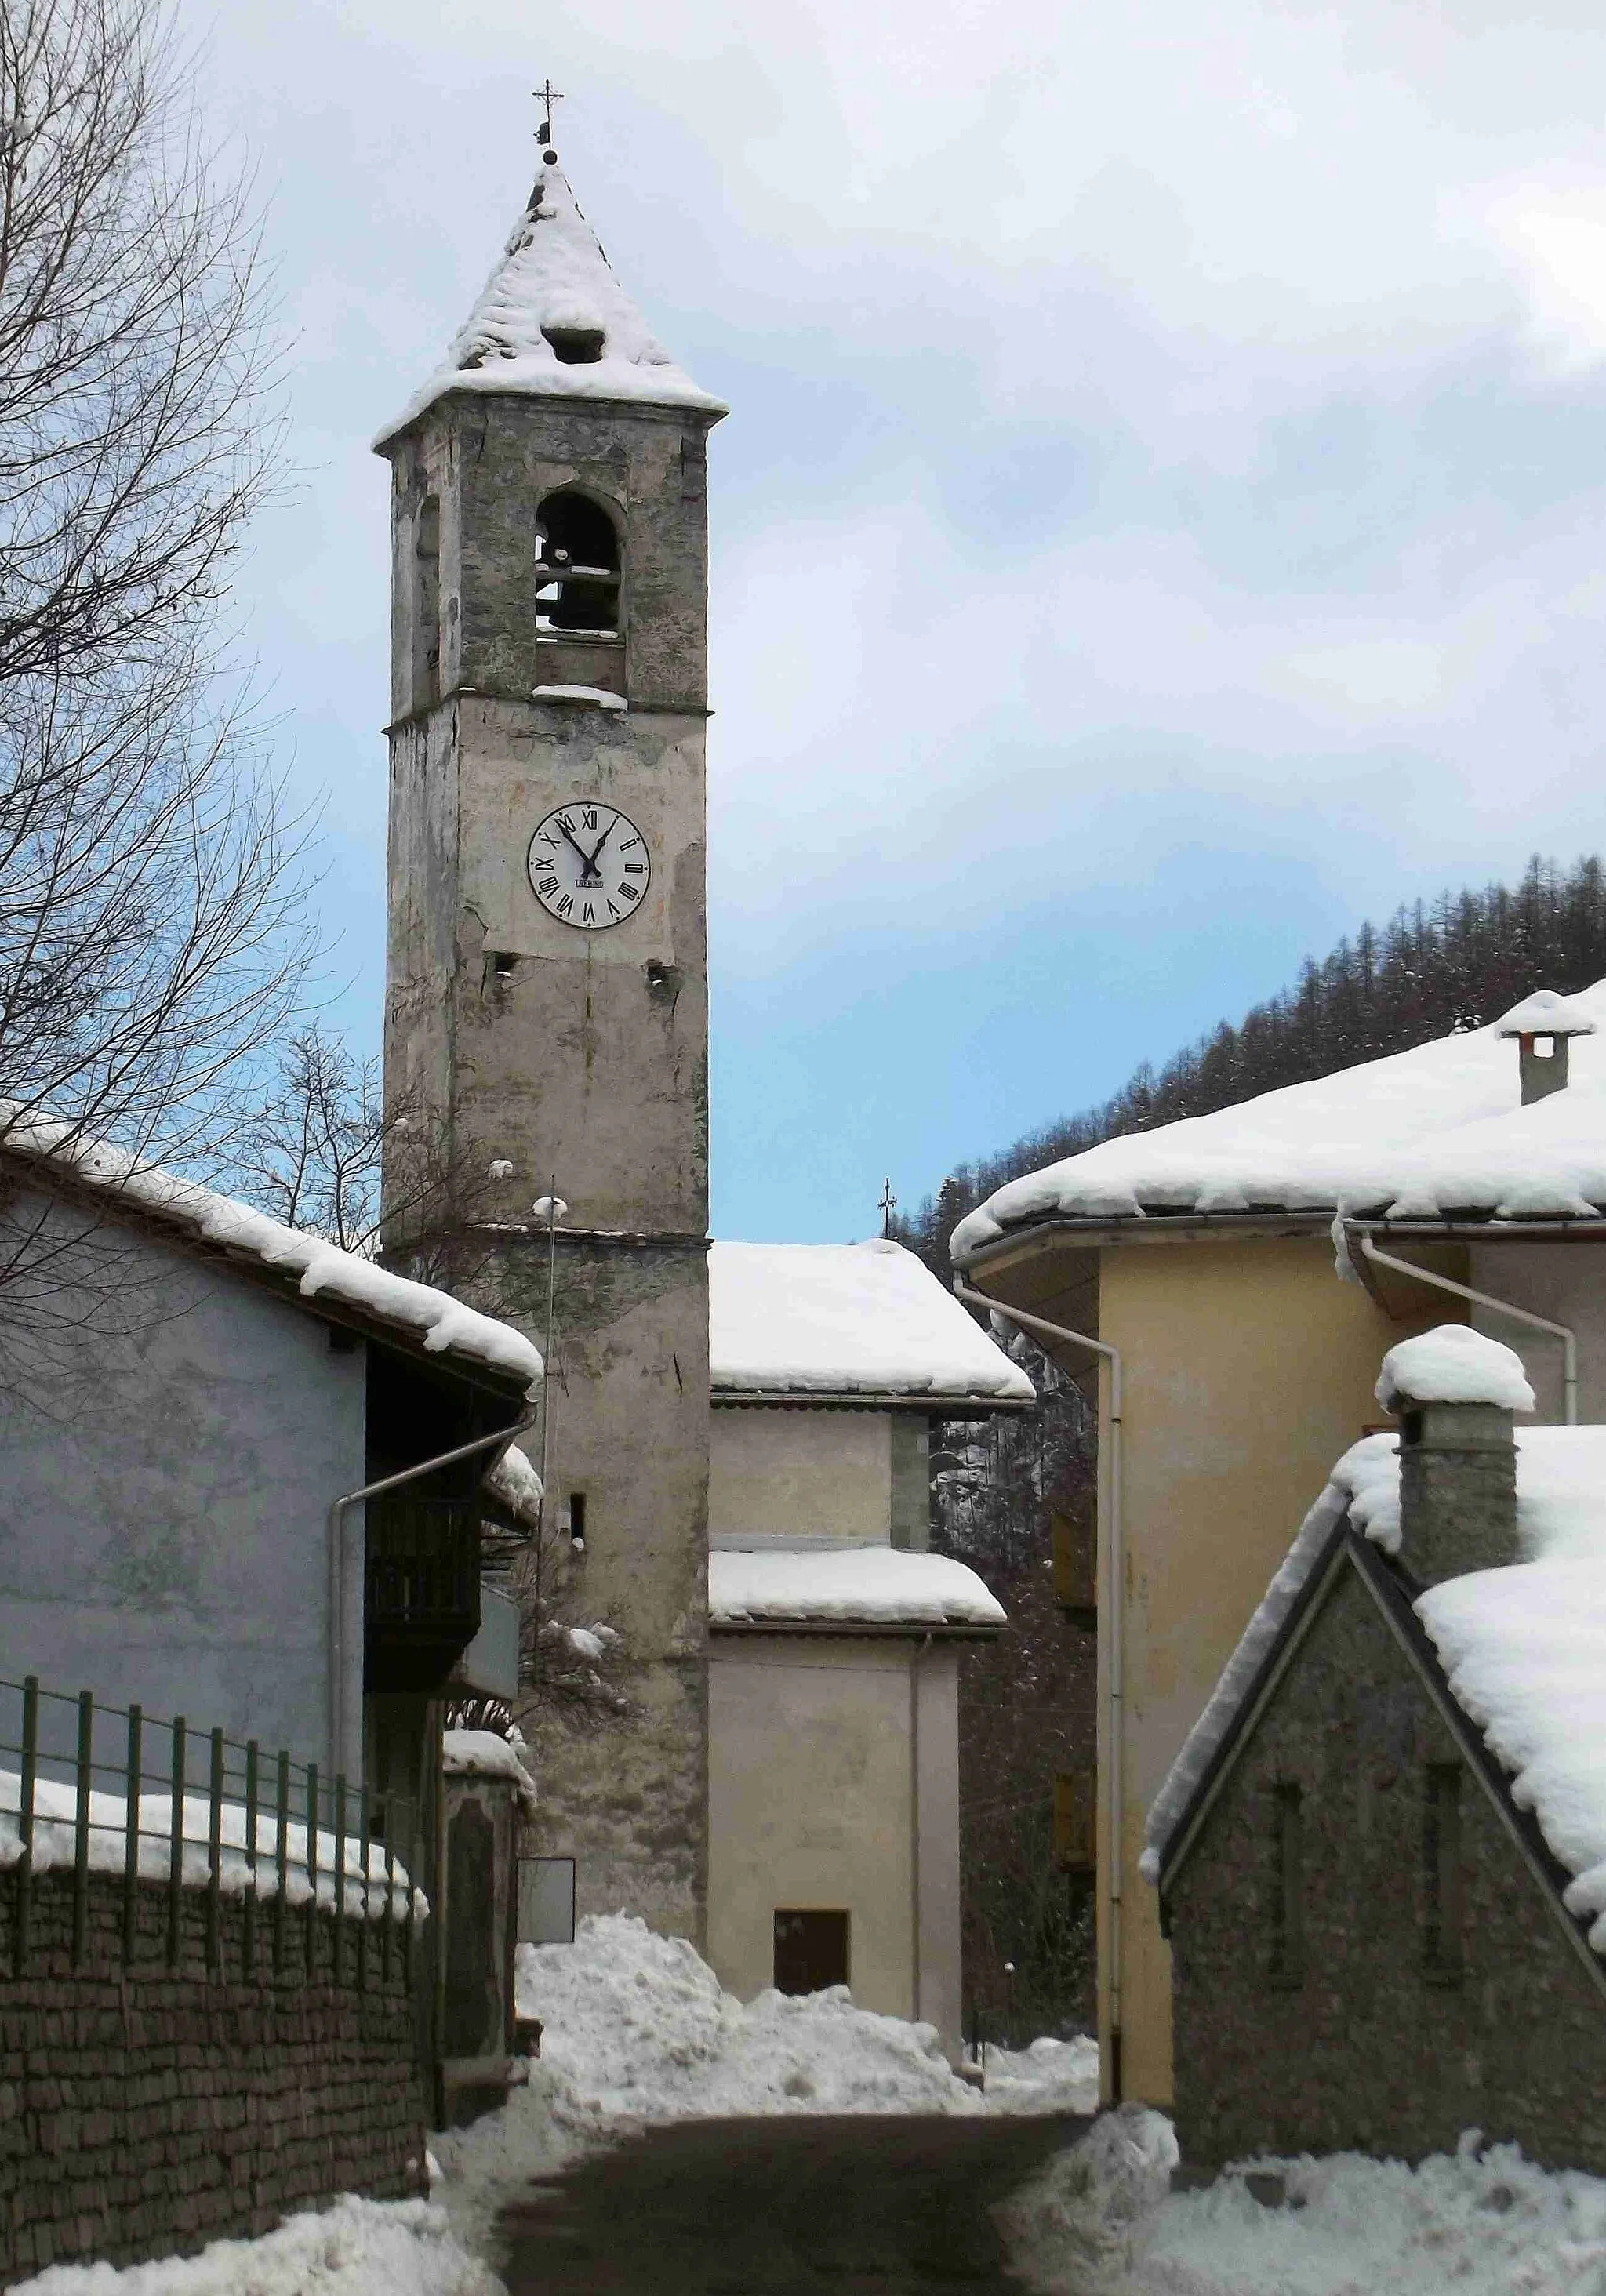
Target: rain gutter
1359	1231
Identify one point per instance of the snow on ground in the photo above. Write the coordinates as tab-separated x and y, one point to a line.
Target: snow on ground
1050	2076
356	2248
1099	2221
641	2028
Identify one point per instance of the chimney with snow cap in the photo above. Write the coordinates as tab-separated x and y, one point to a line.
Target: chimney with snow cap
1544	1019
1455	1392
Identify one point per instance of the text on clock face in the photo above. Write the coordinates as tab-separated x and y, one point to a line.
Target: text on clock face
588	864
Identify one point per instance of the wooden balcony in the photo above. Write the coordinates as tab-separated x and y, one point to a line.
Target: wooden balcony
421	1589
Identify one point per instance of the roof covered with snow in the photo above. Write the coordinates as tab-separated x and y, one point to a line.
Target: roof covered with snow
1437	1132
553	278
487	1754
880	1587
440	1323
846	1319
1523	1649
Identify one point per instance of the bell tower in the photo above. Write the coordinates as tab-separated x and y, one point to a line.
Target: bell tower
546	1002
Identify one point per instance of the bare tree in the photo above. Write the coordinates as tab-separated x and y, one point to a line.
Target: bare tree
152	932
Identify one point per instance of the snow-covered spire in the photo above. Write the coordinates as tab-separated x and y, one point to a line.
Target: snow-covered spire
552	321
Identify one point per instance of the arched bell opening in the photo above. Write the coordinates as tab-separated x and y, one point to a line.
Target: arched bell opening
578	570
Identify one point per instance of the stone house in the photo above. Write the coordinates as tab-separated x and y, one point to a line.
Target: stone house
1380	1856
834	1633
1196	1266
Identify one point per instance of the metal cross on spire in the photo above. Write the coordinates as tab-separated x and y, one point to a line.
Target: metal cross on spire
548	96
888	1205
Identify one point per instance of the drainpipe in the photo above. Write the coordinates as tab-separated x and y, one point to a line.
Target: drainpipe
1113	1633
344	1759
918	1652
1562	1332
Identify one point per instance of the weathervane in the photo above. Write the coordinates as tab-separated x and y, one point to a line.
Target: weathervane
888	1205
549	95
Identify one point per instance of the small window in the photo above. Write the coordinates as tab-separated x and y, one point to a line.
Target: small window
426	603
811	1951
577	566
1073	1824
1288	1886
577	1517
1076	1584
1444	1884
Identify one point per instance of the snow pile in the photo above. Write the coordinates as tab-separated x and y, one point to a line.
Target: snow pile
1420	1134
55	1841
1083	2220
553	279
356	2248
1050	2076
845	1319
487	1754
1454	1363
878	1586
446	1326
1523	1648
639	2028
1488	2225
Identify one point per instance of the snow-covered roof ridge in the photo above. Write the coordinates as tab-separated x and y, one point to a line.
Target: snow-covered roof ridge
443	1325
554	280
1435	1132
847	1586
856	1319
1454	1363
1523	1647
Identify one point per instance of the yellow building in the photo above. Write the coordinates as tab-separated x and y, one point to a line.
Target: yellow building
1230	1277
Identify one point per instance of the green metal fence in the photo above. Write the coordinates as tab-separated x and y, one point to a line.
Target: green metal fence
99	1789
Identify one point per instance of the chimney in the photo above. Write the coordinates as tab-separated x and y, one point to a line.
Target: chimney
1455	1392
1543	1024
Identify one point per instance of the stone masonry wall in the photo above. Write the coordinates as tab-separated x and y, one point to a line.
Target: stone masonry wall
1363	2043
148	2108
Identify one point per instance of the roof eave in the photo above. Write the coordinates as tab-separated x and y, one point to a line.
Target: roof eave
862	1629
1161	1227
931	1405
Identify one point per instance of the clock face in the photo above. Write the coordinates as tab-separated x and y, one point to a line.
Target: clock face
588	864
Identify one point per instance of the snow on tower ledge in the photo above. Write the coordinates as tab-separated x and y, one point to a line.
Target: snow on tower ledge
554	281
1454	1363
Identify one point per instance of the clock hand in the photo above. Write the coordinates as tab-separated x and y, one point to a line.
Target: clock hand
587	867
602	841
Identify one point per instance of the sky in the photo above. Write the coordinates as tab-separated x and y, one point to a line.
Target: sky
1158	525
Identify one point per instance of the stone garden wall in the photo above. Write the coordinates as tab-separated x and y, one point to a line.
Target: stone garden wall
198	2069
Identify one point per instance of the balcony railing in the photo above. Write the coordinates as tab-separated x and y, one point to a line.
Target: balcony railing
422	1588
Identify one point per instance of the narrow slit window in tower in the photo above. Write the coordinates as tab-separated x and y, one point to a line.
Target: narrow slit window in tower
426	601
577	567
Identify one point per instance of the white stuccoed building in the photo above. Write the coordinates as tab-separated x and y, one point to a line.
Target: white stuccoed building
834	1635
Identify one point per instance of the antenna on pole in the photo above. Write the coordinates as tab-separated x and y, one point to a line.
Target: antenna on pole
888	1206
548	96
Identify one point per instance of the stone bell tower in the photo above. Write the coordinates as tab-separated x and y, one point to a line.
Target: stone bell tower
546	995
